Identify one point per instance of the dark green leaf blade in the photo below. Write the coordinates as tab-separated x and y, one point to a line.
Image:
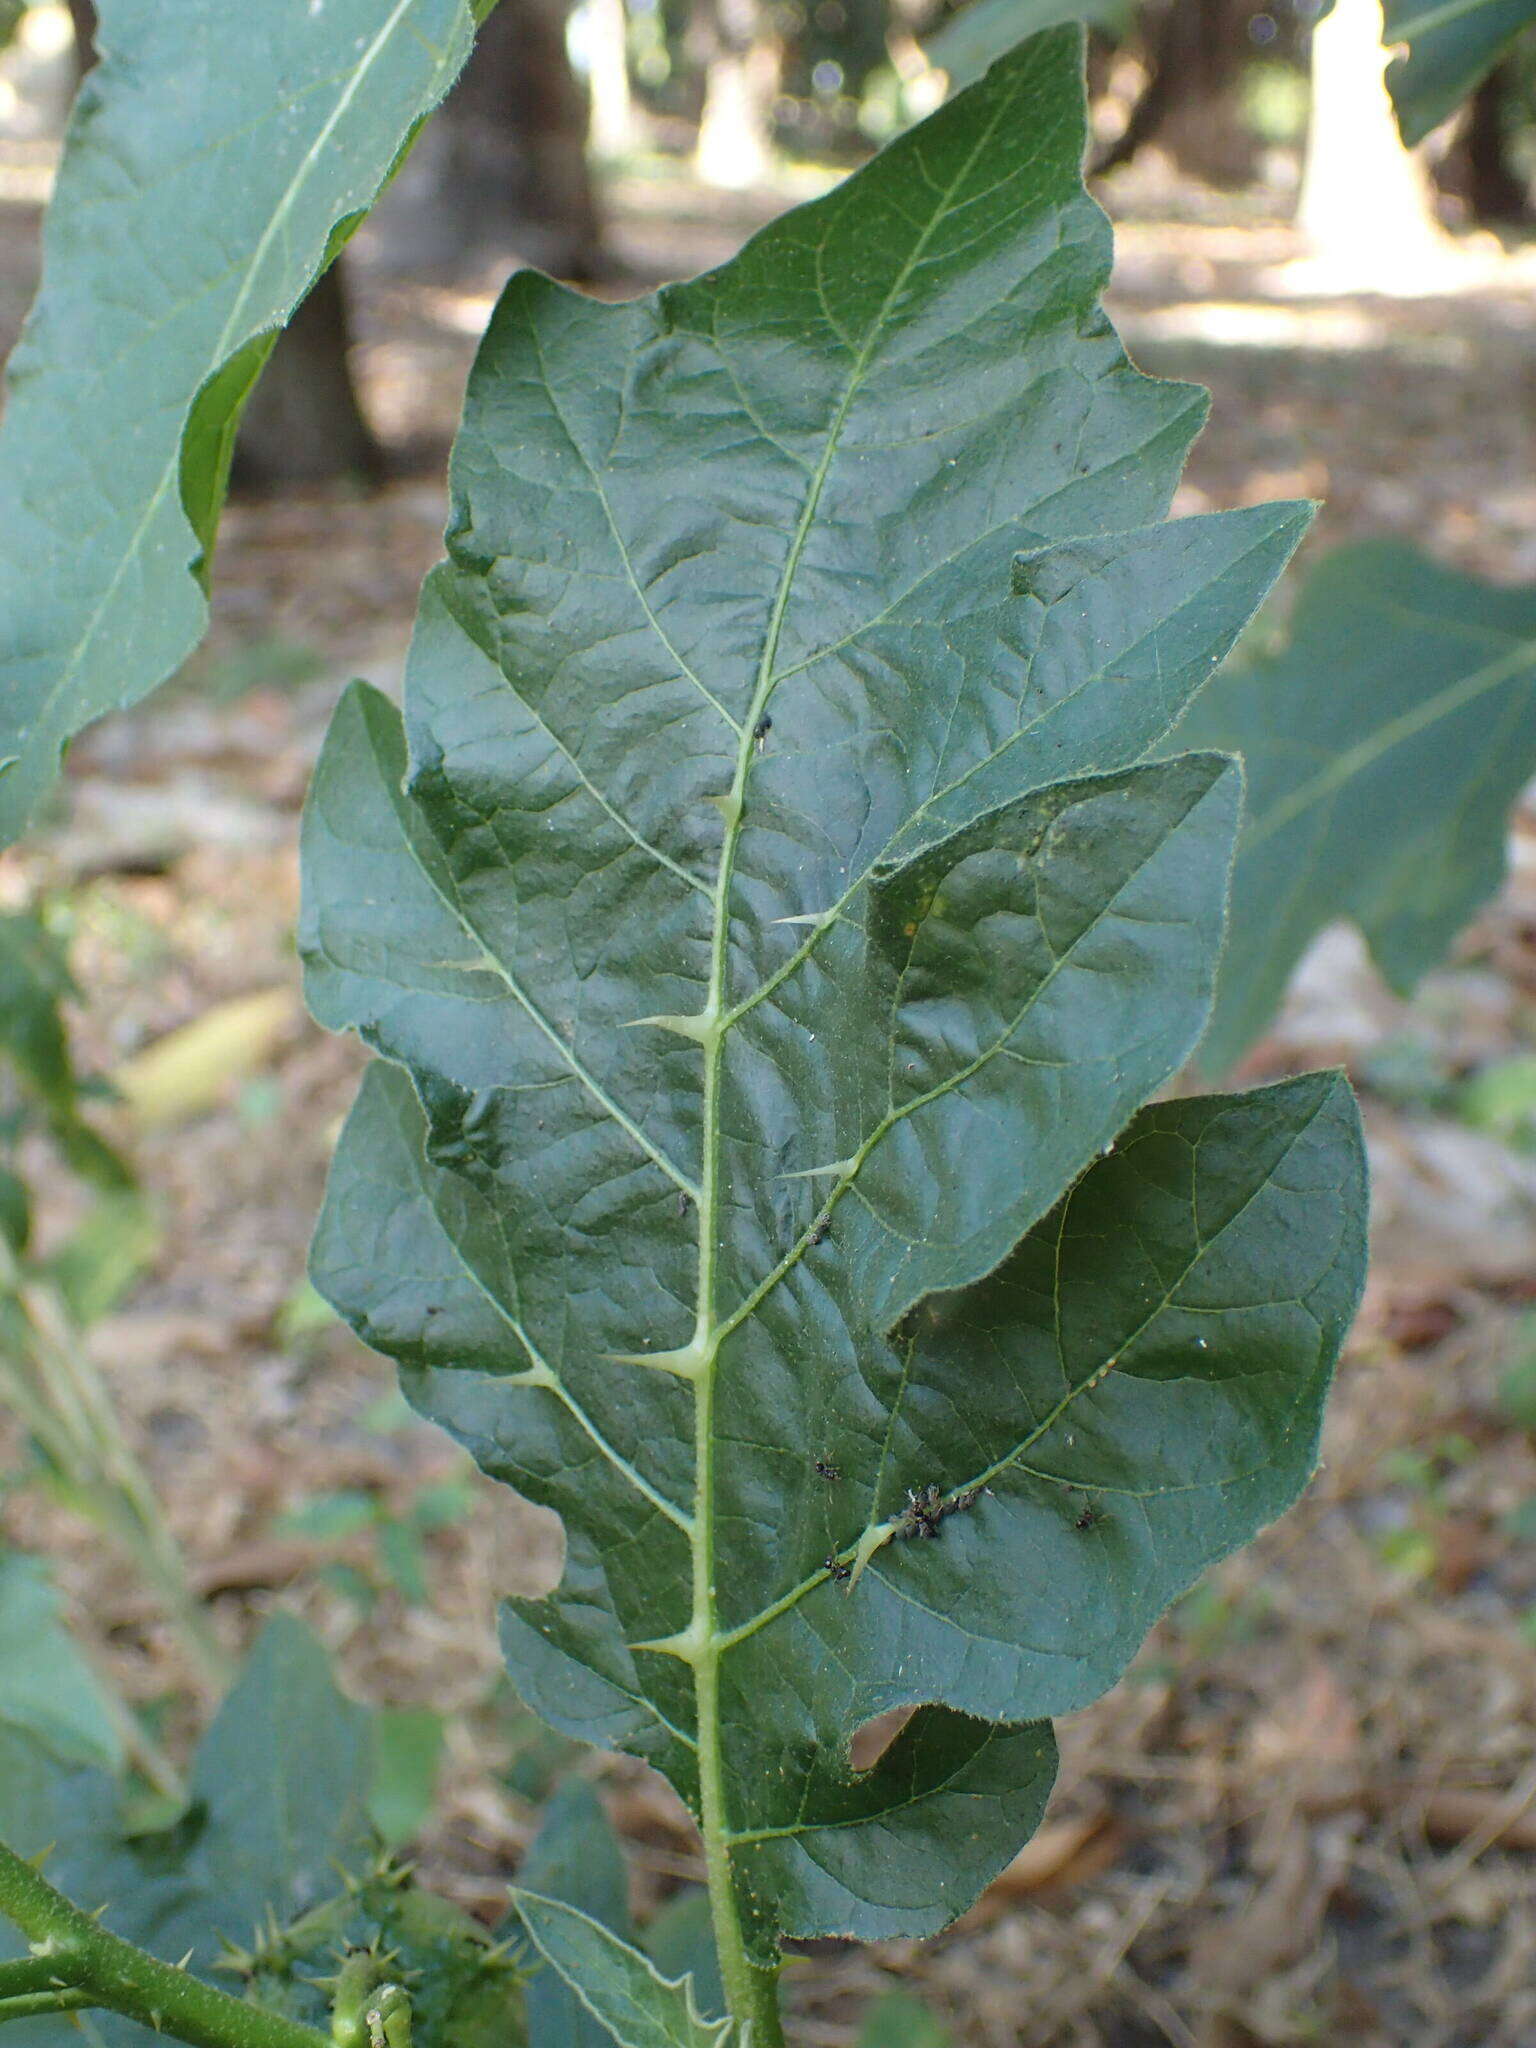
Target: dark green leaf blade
1286	1164
908	1846
768	925
1384	746
197	201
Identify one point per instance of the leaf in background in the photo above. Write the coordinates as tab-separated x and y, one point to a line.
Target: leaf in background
1384	745
197	201
407	1750
899	2021
46	1686
615	1983
574	1858
1452	45
111	1247
465	1983
15	1211
984	30
35	982
680	1941
279	1806
765	924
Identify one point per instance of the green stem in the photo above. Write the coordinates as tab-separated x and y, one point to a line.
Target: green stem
29	1977
32	2004
103	1970
751	1992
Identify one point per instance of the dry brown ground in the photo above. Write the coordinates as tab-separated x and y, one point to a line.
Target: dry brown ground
1310	1811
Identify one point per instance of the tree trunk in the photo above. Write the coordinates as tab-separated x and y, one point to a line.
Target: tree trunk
1365	204
512	172
303	424
1191	104
611	132
743	62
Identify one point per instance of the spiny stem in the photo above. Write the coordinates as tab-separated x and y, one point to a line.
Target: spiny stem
89	1966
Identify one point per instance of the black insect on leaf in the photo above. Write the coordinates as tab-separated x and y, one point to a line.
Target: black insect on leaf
923	1512
937	955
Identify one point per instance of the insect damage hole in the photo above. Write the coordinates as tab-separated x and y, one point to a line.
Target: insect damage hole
874	1738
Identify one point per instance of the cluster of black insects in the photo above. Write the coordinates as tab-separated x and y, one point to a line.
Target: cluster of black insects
923	1513
927	1508
921	1516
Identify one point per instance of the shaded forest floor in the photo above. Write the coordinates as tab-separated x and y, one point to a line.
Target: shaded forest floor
1311	1808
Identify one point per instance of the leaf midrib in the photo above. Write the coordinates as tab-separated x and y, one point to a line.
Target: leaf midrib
999	1047
713	1787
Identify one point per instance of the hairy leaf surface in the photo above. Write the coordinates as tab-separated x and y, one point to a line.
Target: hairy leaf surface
768	915
204	186
1384	746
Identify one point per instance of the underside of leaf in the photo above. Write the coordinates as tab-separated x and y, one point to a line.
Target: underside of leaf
210	171
772	926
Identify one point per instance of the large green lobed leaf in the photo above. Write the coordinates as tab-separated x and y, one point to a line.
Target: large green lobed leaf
772	926
1385	742
208	176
